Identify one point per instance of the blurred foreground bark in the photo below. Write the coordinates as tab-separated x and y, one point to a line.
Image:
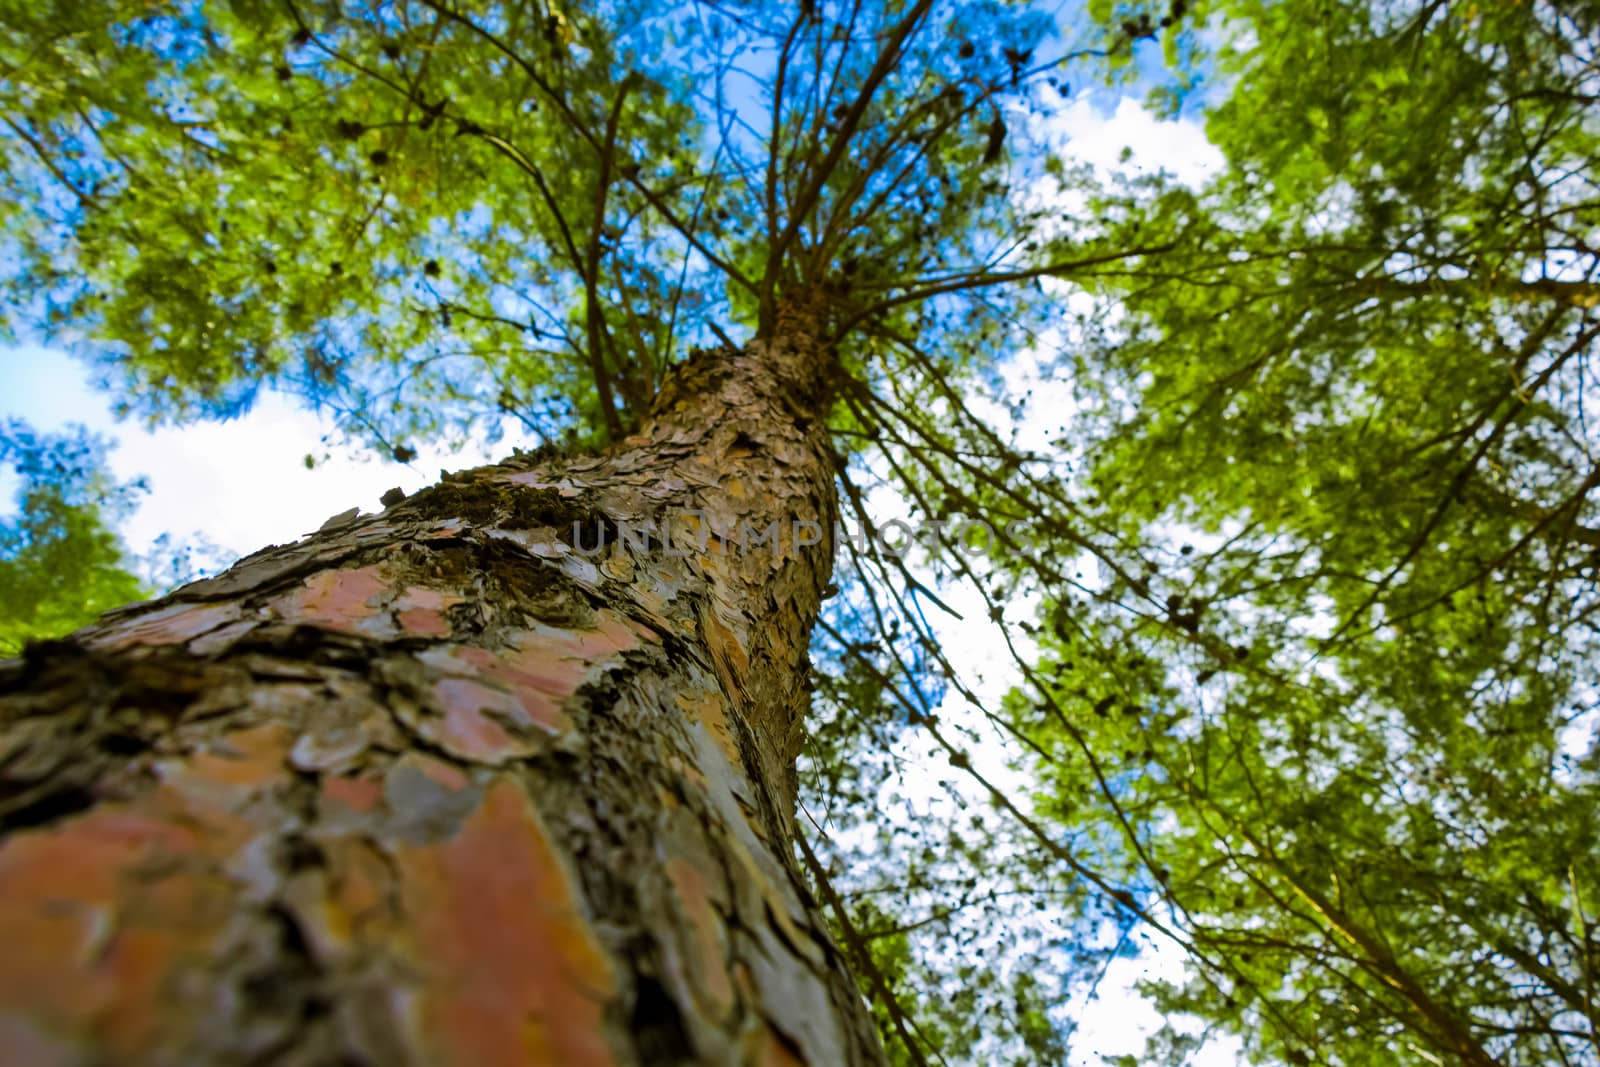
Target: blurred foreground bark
437	785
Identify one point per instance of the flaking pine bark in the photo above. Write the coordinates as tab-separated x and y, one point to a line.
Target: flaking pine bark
433	786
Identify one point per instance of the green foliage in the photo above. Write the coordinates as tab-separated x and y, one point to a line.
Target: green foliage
61	562
1342	692
359	204
433	220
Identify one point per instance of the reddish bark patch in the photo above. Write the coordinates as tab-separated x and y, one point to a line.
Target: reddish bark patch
171	625
779	1051
422	623
421	611
517	976
470	728
100	913
540	670
611	634
541	681
247	759
438	771
706	949
357	794
336	600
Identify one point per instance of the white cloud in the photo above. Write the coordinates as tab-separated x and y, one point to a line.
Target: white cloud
1118	1021
243	483
1086	134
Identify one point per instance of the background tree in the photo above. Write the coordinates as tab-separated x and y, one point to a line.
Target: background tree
1339	699
61	562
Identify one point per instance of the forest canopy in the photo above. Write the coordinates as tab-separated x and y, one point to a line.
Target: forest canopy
1298	663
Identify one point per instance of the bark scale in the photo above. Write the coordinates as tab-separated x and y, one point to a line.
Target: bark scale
435	786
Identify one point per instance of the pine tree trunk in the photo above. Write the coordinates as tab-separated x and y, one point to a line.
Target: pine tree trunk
435	786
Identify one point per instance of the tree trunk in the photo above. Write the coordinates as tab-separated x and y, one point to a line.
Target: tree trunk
435	786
